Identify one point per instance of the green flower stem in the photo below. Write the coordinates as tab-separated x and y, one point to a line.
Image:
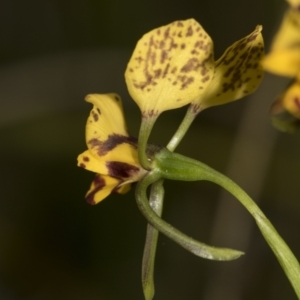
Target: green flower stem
156	203
188	119
190	244
177	167
145	130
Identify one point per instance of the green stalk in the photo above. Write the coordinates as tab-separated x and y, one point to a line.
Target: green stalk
188	119
145	130
156	203
177	167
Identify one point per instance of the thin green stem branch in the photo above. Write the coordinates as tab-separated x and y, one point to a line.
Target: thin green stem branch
188	119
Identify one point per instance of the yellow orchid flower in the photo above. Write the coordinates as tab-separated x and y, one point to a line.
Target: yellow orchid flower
284	56
170	67
112	152
237	72
284	60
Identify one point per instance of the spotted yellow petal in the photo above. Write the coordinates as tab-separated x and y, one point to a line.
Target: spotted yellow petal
237	73
291	99
101	187
88	161
170	67
284	57
106	134
106	118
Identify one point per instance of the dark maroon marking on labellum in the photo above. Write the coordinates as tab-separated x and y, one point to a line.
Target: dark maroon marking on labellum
114	140
99	111
86	159
99	183
121	170
82	165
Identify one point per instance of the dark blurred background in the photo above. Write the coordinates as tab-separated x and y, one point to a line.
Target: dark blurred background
53	245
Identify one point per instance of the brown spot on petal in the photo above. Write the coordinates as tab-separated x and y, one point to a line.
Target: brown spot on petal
121	170
95	116
86	159
82	165
189	31
112	141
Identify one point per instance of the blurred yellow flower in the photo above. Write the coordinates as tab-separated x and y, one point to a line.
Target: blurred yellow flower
284	58
112	152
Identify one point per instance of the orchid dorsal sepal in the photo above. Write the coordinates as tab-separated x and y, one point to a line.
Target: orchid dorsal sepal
170	67
188	243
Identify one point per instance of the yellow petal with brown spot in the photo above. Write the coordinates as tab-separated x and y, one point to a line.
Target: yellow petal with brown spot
106	134
291	99
284	57
101	187
106	118
237	73
89	162
170	67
